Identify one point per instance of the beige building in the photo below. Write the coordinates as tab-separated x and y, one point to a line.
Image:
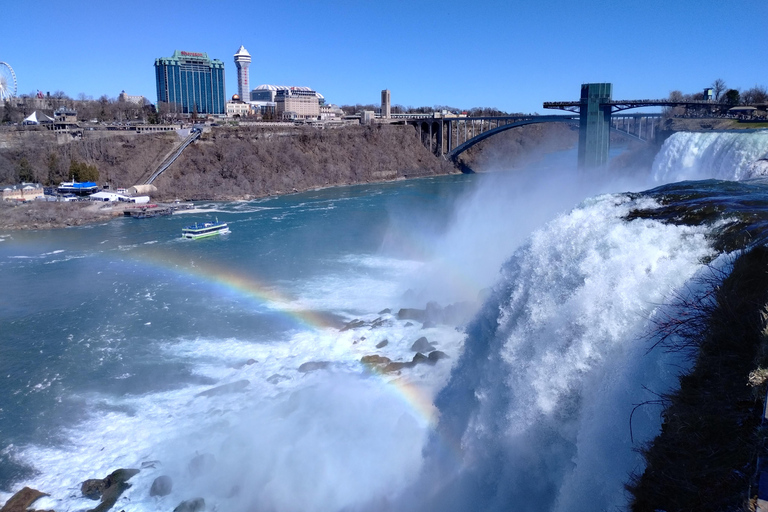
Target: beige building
237	107
331	112
136	100
385	104
23	192
296	103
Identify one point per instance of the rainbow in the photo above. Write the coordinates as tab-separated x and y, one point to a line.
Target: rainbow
270	298
242	285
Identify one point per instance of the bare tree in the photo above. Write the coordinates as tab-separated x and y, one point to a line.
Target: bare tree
718	86
756	94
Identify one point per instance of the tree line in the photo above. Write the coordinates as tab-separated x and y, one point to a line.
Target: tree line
726	95
400	109
103	109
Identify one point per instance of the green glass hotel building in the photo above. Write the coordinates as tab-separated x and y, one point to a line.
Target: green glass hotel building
190	82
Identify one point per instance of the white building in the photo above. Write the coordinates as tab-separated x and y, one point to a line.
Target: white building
242	61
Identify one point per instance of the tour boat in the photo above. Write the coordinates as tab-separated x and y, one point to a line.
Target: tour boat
73	187
204	229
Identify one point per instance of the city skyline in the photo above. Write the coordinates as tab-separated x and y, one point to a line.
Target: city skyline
487	54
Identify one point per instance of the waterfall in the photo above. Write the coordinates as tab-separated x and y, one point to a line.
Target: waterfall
728	155
536	414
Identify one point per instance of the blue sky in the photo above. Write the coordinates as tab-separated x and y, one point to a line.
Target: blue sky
512	55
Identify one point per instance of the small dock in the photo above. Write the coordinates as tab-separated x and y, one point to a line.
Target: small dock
150	210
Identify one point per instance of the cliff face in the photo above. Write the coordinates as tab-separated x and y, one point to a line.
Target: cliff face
121	159
252	162
233	163
244	162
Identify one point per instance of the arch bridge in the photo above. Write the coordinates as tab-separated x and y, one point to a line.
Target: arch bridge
449	136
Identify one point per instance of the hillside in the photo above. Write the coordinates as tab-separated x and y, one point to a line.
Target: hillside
247	162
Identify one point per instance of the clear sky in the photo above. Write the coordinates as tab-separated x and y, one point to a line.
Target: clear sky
512	55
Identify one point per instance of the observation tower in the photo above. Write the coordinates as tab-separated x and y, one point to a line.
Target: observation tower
242	61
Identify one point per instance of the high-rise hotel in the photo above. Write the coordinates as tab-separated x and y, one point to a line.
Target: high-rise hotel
190	82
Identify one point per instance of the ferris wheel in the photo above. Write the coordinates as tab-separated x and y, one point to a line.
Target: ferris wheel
7	81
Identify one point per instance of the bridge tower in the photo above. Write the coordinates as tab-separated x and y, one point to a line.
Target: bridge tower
594	125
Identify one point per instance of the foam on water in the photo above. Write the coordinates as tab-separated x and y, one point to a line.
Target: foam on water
554	362
718	155
534	401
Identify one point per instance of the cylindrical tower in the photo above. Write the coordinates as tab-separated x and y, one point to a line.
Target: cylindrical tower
242	61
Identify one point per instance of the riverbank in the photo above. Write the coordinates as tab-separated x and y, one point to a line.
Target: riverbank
245	163
706	456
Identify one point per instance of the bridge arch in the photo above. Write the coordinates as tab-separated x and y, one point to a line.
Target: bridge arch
454	153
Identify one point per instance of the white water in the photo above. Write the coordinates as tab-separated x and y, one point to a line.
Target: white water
535	415
718	155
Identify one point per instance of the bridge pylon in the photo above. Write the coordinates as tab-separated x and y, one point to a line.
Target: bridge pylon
594	125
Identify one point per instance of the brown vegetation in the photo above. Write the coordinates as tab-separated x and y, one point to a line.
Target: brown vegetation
705	457
119	160
249	162
46	215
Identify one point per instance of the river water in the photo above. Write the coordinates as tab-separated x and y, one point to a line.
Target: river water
115	337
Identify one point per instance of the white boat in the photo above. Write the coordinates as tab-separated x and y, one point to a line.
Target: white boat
205	229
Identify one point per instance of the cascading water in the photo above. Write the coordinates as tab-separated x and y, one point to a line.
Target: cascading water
711	155
536	392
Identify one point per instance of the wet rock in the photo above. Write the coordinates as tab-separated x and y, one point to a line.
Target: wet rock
354	324
201	464
240	366
108	489
311	366
385	311
408	324
428	324
422	345
396	366
232	387
382	344
110	496
375	360
419	358
435	356
93	488
162	486
193	505
119	476
149	464
419	315
276	378
21	501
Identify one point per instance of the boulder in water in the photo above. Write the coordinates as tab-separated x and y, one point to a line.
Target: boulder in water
93	488
354	324
240	366
419	315
435	356
108	489
382	344
193	505
21	501
385	311
375	360
311	366
422	345
162	486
